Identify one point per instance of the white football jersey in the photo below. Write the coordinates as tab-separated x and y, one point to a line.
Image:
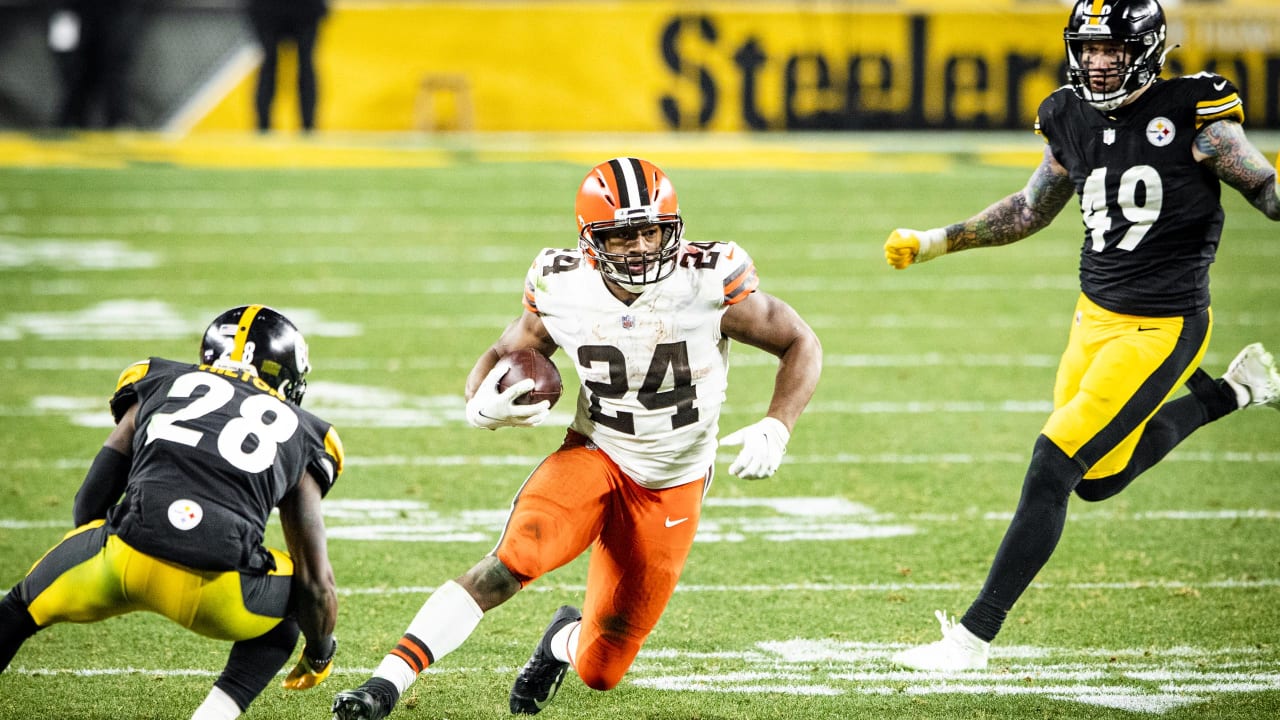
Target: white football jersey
652	374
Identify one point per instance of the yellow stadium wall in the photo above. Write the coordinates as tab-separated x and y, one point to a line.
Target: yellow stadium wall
725	66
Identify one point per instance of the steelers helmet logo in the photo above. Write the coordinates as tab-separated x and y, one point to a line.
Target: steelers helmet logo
1160	131
185	514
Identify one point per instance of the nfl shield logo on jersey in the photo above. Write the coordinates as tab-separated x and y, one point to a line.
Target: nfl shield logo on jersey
628	322
1160	131
1109	136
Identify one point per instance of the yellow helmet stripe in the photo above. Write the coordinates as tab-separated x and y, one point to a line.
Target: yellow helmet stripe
242	331
1096	12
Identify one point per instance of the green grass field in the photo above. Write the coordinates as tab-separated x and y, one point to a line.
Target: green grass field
402	261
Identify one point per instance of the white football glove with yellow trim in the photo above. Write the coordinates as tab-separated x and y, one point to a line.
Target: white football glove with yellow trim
912	247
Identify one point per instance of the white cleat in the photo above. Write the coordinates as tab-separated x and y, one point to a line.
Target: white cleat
958	650
1254	377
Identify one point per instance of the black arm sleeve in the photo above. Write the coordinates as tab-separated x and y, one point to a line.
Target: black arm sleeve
102	486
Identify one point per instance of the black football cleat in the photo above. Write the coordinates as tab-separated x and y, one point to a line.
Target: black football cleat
540	678
371	701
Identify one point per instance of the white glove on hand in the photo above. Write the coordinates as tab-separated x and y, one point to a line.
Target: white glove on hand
763	445
906	247
490	409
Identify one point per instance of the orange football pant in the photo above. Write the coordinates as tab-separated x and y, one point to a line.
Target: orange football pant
639	539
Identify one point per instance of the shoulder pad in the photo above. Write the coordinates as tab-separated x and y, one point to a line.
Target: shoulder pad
549	263
1216	98
133	374
733	265
126	394
328	466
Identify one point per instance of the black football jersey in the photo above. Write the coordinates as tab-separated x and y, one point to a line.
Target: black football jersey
215	451
1152	215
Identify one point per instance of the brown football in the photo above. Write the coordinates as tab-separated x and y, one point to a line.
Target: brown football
529	363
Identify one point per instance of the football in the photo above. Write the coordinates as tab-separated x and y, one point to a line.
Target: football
529	363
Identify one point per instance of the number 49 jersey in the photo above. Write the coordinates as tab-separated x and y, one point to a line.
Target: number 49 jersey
215	451
653	373
1152	214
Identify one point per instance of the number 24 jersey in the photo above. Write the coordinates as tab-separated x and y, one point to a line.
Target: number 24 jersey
653	373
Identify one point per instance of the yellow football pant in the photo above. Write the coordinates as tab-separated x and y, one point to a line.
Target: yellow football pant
93	575
1114	375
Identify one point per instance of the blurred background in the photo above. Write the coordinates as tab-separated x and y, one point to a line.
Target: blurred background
183	66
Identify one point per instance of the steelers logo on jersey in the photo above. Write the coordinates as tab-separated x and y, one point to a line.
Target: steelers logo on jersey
185	514
1160	131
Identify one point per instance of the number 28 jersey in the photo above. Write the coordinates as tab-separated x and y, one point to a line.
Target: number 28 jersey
215	451
1152	214
653	373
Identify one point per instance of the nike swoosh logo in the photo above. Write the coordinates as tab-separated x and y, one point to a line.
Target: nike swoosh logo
1219	85
1142	329
672	523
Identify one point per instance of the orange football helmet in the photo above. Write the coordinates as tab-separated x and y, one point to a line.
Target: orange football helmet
629	192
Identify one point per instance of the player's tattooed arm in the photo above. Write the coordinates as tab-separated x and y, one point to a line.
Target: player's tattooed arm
1018	215
1223	147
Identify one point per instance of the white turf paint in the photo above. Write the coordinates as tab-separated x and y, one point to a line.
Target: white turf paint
780	519
348	405
72	255
1138	680
784	519
139	320
529	461
463	287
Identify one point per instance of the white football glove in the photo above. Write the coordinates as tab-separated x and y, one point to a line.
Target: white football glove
763	445
906	247
490	409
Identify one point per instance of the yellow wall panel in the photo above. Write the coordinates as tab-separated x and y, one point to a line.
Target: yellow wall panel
723	66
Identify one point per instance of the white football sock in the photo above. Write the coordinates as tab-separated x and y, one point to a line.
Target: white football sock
444	622
217	706
564	644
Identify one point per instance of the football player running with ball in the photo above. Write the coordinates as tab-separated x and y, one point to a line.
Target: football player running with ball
1145	157
202	454
646	318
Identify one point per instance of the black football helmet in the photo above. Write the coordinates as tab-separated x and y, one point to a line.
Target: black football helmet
257	336
1139	24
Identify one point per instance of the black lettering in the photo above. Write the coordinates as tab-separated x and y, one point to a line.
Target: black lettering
919	49
1271	93
561	263
1017	69
749	58
964	76
807	82
674	115
868	93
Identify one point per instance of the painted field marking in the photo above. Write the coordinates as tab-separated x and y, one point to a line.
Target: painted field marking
1137	680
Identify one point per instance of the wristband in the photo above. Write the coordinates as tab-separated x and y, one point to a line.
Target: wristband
933	243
